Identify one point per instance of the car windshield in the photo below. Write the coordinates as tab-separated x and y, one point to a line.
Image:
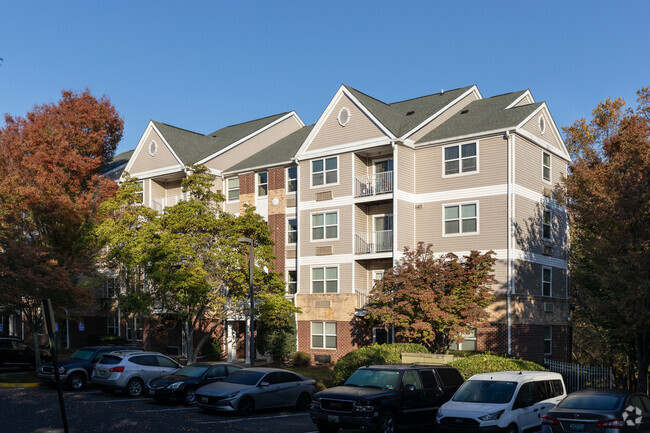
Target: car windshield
485	391
192	370
382	379
245	377
83	354
590	401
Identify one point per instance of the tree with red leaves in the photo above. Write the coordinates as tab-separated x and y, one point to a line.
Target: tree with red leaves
50	191
433	300
608	198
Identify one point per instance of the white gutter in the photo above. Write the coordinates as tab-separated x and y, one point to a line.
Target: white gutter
509	273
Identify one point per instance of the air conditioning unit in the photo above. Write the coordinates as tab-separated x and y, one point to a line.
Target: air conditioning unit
549	307
548	192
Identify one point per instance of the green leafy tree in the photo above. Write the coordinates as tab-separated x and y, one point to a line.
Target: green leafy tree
433	300
608	198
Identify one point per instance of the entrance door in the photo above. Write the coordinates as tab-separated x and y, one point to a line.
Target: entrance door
383	233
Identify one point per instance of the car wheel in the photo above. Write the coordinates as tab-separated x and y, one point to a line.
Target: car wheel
134	388
246	406
189	397
512	428
303	402
386	423
77	381
327	428
107	390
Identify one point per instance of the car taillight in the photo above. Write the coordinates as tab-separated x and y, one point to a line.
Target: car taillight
611	423
116	369
548	420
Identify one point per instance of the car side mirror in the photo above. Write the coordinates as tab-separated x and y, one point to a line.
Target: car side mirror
409	388
264	384
341	382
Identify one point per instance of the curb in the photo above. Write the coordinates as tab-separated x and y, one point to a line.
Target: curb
19	385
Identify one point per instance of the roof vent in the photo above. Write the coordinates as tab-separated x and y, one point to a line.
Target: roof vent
410	112
464	111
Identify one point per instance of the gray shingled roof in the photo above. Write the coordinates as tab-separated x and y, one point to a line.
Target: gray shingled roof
192	147
119	159
402	116
279	152
483	115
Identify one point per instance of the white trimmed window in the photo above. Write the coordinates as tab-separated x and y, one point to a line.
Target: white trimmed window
323	335
461	159
325	280
468	344
324	171
292	282
140	192
292	179
324	226
263	184
548	340
546	166
461	219
292	230
111	288
547	285
547	224
112	325
233	189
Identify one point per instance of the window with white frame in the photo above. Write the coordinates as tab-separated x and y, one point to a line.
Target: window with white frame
292	179
325	280
469	342
547	224
112	325
292	230
140	192
460	159
263	184
324	171
461	219
111	288
233	189
548	340
324	226
377	275
292	282
547	286
546	166
323	335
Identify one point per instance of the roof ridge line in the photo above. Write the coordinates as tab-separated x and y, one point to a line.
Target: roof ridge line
365	94
432	94
177	127
253	120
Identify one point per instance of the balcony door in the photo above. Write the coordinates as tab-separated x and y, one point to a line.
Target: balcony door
383	232
383	175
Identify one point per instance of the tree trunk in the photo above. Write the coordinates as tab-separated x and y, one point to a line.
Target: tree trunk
643	360
37	351
188	333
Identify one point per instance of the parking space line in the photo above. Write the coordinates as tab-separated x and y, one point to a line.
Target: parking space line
166	410
110	401
253	419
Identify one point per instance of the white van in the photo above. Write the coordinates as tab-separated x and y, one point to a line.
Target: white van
508	401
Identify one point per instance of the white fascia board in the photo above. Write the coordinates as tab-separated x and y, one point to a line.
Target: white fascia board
472	136
119	167
248	137
158	172
328	111
141	144
556	132
343	148
516	101
544	144
249	169
442	110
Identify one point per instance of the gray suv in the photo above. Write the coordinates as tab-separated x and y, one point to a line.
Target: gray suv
130	371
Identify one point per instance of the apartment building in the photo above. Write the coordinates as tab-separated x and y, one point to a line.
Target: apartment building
346	195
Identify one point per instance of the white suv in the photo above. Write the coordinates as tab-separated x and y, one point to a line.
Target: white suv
509	401
130	371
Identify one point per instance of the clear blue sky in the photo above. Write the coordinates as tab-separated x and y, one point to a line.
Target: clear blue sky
205	65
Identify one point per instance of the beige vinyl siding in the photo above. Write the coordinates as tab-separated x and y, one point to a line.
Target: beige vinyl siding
361	218
344	188
501	275
528	166
174	188
364	269
144	161
404	224
358	128
492	167
253	145
158	190
341	246
360	165
528	280
232	207
528	231
532	126
361	275
524	101
443	117
492	225
405	175
345	277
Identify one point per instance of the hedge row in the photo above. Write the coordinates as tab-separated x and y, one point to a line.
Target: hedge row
486	363
373	355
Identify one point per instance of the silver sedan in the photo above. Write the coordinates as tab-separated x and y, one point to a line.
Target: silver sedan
257	388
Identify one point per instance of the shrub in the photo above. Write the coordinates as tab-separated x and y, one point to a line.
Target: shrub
373	355
300	359
486	363
211	349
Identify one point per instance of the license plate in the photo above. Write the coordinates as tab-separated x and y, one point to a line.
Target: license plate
204	399
332	418
576	427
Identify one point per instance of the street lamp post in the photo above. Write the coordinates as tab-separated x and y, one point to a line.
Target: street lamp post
251	261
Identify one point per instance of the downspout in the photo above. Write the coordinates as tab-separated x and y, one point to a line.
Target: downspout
509	273
295	295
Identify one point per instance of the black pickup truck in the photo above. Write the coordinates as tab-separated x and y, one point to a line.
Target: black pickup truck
384	398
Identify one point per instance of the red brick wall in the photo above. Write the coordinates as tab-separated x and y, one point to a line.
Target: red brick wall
247	183
276	178
349	336
527	341
277	224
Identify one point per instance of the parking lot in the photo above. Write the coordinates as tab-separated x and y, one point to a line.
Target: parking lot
24	410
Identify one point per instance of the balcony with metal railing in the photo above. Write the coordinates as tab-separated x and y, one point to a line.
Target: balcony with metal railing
362	298
372	185
374	242
159	204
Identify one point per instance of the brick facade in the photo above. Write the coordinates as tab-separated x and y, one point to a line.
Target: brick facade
527	341
349	336
247	183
